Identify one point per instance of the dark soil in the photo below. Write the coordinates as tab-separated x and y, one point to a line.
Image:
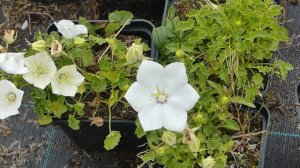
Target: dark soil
246	150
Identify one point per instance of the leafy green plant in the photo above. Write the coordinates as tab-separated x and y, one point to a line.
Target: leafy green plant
227	49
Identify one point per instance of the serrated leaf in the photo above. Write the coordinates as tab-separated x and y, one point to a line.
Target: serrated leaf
73	122
99	85
240	100
113	97
258	80
283	68
45	120
87	57
112	76
232	125
149	156
57	108
97	40
112	140
111	28
120	16
79	108
117	47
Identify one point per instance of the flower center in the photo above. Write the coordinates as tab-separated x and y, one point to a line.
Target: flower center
64	77
11	97
161	96
39	70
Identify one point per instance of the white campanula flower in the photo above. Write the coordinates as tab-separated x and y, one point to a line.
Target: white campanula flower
162	96
69	30
13	63
41	69
10	99
66	81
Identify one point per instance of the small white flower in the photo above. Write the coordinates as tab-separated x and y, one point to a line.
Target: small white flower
41	69
69	30
13	63
10	99
66	81
162	96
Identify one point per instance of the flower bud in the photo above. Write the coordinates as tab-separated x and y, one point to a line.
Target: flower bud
169	138
208	162
194	145
78	41
56	48
9	36
188	135
134	53
39	45
180	53
238	23
224	100
160	151
199	118
2	49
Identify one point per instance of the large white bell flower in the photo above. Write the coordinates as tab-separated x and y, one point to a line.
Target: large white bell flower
66	81
162	96
41	69
69	30
10	99
13	63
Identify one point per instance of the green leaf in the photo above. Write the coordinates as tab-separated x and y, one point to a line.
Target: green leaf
89	26
112	76
159	35
111	28
118	48
258	80
99	85
112	140
139	130
230	124
186	25
79	108
240	100
216	86
282	68
97	40
73	122
87	57
251	92
45	120
58	108
120	16
149	156
113	97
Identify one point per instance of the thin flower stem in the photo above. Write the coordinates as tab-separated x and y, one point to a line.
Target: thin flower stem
114	36
109	122
247	135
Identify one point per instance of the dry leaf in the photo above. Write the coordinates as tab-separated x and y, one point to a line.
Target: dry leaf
98	121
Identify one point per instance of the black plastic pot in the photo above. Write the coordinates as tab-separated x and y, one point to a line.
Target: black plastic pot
138	27
91	138
297	97
265	113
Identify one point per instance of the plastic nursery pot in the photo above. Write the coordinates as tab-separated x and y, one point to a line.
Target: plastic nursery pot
91	138
297	96
265	114
138	27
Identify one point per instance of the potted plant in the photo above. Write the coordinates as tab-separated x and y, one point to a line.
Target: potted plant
80	72
227	50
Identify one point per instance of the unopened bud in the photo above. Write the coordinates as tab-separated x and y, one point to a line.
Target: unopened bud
134	53
39	45
180	53
194	145
78	41
169	138
208	162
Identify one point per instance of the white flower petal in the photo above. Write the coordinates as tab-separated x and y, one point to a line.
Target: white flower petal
9	108
139	97
13	63
174	119
69	30
150	118
175	76
69	86
184	98
39	61
150	74
81	29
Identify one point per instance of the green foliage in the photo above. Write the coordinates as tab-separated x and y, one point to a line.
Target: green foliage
73	122
227	50
112	140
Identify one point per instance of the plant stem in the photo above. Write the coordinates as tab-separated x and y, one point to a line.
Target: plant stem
114	36
109	119
250	134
